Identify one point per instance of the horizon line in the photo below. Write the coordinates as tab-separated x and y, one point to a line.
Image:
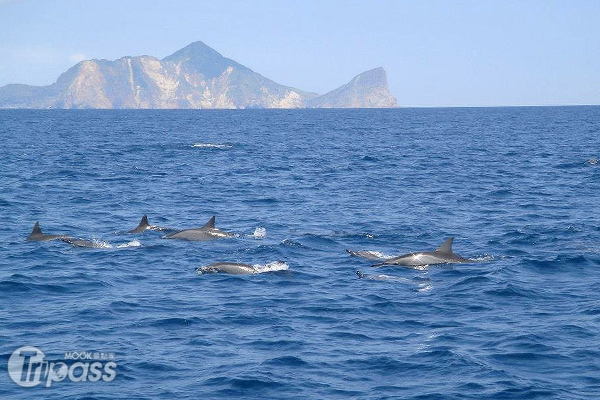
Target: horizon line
296	109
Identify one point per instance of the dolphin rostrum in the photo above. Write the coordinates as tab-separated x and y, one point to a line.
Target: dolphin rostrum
36	235
441	255
204	233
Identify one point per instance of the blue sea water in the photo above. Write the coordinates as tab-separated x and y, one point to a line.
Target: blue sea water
515	186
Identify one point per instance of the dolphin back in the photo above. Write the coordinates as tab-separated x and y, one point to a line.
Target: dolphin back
37	235
227	267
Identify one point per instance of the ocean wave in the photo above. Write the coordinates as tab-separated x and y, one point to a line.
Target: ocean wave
292	243
471	281
212	146
510	290
243	384
286	361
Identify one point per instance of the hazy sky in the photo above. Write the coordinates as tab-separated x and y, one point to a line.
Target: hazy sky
436	52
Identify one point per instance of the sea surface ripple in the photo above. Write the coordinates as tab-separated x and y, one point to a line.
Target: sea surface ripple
515	186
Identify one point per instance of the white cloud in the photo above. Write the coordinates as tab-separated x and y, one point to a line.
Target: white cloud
77	57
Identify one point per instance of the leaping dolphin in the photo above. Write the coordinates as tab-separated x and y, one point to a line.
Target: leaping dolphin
441	255
204	233
37	235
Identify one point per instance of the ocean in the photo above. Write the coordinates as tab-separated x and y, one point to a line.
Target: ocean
517	188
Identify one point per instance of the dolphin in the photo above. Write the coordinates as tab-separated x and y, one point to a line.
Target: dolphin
228	267
441	255
204	233
144	225
369	255
36	235
239	268
78	242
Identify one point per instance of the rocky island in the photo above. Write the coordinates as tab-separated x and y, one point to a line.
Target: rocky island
196	76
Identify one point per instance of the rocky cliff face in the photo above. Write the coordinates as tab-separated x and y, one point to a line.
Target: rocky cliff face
194	77
366	90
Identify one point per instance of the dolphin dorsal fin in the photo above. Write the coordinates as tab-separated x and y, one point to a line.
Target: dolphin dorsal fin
210	224
446	247
144	221
36	229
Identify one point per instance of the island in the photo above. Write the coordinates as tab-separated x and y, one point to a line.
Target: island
195	77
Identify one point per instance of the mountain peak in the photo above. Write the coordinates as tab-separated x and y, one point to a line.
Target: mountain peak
198	57
194	49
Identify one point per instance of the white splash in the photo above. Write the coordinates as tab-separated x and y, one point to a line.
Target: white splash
272	266
220	234
424	287
259	233
212	146
101	244
381	255
133	243
484	258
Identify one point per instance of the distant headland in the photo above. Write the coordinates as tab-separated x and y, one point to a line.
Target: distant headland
194	77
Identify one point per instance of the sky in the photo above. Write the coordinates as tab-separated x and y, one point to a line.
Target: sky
437	53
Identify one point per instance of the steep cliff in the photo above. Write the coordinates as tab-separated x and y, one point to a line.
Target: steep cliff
366	90
196	76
